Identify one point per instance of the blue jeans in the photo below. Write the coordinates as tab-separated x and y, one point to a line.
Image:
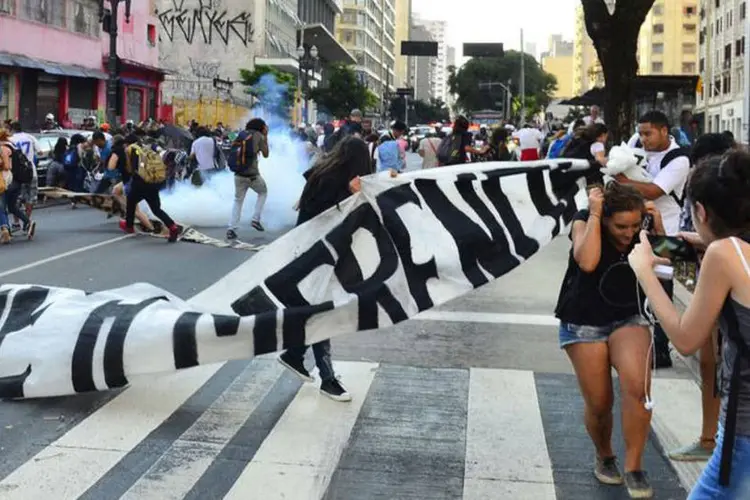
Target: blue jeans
12	196
3	214
708	486
322	353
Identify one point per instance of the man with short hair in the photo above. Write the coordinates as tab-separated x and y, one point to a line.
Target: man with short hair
669	165
30	147
255	139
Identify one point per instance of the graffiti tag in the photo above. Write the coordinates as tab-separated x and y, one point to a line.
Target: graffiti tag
204	69
207	21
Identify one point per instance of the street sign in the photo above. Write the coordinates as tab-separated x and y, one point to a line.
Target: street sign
410	48
483	50
405	92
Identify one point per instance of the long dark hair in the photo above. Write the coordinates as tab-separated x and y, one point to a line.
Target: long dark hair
722	185
350	158
58	152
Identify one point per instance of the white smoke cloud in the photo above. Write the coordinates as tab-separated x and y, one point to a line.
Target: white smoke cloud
211	204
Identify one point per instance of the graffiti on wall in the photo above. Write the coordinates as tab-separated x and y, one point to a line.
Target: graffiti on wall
204	69
204	21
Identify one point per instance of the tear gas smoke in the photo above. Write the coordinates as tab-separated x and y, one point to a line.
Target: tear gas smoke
211	204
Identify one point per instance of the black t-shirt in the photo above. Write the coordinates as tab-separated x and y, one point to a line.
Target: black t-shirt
606	295
327	191
122	161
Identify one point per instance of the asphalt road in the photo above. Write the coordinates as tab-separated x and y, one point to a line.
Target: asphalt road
471	400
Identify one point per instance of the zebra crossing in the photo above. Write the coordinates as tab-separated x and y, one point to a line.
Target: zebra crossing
251	430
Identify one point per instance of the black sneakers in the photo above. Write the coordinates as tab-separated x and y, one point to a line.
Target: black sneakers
257	225
296	366
231	235
334	390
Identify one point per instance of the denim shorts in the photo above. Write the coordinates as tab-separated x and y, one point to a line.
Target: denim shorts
577	334
708	487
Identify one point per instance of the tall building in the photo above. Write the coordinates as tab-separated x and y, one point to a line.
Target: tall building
450	60
586	69
721	66
421	69
668	42
368	31
530	49
403	28
558	60
437	30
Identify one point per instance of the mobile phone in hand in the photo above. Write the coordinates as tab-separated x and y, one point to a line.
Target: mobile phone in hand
673	248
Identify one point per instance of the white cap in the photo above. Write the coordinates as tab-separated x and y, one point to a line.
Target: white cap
49	116
302	125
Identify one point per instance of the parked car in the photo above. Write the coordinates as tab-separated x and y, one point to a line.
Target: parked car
47	140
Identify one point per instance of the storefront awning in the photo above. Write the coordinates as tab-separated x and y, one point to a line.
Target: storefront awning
18	60
329	48
136	65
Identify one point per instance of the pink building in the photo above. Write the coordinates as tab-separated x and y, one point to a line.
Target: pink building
53	60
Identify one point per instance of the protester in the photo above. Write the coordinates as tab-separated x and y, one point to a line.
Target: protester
391	153
719	193
56	168
6	177
428	150
30	147
529	141
251	143
599	133
13	187
329	183
456	148
601	328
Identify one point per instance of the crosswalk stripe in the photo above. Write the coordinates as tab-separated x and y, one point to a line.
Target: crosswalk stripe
74	462
677	422
193	452
297	459
506	451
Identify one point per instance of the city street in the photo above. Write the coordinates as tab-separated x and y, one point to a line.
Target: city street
472	400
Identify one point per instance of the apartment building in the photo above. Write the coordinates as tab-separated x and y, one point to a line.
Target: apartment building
403	31
558	60
668	42
723	25
439	84
367	29
421	69
587	72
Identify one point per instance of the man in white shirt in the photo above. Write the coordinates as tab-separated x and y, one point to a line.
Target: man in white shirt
529	141
203	151
30	147
670	166
428	148
594	116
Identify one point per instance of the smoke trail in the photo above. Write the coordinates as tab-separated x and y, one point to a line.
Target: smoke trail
211	204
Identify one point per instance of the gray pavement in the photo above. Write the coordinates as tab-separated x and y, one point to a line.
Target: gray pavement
250	430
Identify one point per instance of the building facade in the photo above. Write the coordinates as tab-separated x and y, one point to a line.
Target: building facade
403	30
439	84
421	69
367	29
558	60
668	41
53	60
721	65
587	72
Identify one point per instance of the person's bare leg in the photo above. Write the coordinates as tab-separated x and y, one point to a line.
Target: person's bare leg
710	401
591	364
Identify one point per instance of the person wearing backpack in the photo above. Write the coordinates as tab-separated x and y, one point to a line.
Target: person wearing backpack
149	173
719	194
243	161
455	148
21	172
669	166
29	145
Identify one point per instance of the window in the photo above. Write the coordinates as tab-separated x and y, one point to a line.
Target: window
4	96
688	28
743	10
688	48
658	10
658	28
657	67
718	3
690	10
688	68
85	18
8	7
658	48
44	11
738	48
151	34
702	65
727	53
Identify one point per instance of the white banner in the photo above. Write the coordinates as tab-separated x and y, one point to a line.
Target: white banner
401	246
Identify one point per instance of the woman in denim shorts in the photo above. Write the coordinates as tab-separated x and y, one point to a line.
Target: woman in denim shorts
601	327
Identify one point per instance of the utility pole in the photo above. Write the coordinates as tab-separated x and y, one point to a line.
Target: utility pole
523	81
112	59
406	110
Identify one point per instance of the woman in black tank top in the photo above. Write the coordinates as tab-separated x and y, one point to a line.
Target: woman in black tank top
719	194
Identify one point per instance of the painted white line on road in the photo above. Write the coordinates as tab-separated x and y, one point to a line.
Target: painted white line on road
68	467
499	318
59	256
677	421
506	451
299	456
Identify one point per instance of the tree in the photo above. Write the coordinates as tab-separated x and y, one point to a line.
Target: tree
273	89
615	36
343	93
434	110
472	97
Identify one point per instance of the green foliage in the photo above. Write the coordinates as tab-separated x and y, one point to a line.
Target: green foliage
465	81
270	98
343	93
434	110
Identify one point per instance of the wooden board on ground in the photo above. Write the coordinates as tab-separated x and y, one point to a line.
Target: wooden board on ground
107	203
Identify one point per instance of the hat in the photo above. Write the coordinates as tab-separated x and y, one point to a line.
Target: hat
49	116
105	127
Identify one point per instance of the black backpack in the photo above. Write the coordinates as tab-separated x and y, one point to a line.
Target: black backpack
449	153
241	155
21	167
673	155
